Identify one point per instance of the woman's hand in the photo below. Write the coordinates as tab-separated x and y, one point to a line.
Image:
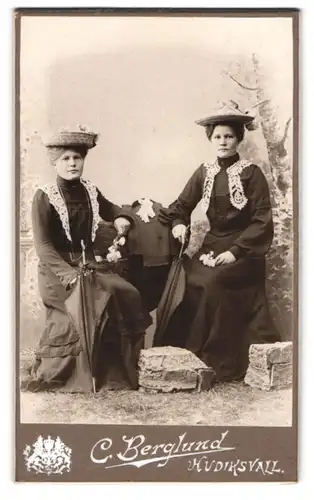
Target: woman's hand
122	225
179	232
224	258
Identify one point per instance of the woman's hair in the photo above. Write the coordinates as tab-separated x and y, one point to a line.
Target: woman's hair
238	129
54	152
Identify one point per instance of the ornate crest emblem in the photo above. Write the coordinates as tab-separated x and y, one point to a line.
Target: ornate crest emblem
48	456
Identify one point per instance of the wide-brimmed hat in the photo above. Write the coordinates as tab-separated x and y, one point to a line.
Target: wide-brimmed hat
227	112
71	137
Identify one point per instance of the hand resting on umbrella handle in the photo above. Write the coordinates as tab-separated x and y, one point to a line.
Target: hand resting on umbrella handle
179	232
122	225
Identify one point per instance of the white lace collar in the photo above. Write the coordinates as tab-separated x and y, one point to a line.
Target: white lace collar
57	201
236	191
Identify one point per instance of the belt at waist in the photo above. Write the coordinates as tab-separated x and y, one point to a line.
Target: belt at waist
74	258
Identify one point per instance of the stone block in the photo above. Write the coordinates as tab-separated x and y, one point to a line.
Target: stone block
206	379
258	377
265	355
274	376
281	375
167	369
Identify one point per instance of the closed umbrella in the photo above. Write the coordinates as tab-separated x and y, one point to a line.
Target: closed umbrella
172	295
87	308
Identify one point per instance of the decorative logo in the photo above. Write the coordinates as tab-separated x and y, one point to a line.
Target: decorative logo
48	456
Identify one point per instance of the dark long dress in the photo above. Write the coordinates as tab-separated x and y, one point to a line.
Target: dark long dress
224	308
64	214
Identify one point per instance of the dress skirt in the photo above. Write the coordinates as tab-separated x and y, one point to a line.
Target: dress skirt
223	311
61	361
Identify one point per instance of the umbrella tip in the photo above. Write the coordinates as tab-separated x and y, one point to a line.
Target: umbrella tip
94	385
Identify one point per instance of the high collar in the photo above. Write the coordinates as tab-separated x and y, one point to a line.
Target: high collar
64	183
227	162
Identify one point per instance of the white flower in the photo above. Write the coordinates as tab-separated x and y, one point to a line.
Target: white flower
207	259
109	257
121	241
113	256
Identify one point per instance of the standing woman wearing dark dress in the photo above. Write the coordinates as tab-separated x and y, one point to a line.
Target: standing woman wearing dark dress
65	217
224	308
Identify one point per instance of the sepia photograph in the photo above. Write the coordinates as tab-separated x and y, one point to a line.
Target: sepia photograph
156	220
157	245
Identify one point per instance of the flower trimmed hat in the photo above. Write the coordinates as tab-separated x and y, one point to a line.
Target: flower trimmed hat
81	137
228	112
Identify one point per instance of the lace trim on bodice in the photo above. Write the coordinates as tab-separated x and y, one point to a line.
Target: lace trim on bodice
92	193
56	200
236	191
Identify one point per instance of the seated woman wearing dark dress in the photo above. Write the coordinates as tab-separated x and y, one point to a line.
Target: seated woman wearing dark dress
66	216
224	308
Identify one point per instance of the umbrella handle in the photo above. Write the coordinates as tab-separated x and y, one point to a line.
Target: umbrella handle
181	249
83	252
183	242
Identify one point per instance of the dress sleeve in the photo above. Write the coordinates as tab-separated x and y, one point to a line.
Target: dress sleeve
43	241
256	239
108	211
179	212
